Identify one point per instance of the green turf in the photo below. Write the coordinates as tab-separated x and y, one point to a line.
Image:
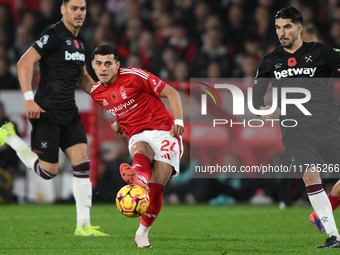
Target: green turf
241	229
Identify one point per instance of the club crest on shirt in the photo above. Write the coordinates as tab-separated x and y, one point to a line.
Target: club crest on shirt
114	97
123	93
308	58
42	41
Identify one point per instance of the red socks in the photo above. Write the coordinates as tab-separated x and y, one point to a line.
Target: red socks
141	164
156	202
335	201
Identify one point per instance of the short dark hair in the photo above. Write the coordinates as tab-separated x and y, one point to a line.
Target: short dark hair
106	50
290	13
65	2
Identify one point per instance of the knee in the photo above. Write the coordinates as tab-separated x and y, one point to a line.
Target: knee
50	168
311	176
44	173
143	148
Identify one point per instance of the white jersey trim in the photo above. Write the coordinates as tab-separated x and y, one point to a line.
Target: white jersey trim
140	73
95	86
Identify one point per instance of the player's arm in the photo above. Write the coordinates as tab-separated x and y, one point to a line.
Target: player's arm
260	88
266	117
176	107
25	67
85	81
117	129
331	56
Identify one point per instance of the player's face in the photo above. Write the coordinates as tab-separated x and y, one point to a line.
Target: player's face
74	13
106	68
288	32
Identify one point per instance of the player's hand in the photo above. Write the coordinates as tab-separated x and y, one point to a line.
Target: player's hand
266	117
116	128
33	110
176	130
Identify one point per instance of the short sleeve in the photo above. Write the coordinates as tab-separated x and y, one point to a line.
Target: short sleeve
331	55
151	83
47	42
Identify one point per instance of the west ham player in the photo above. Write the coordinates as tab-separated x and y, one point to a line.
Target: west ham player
52	111
316	136
131	95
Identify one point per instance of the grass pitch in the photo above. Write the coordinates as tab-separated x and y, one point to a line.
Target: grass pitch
241	229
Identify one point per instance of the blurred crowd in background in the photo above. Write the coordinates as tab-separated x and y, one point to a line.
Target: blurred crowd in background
175	40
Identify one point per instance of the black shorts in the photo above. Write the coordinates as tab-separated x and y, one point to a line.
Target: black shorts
47	137
312	146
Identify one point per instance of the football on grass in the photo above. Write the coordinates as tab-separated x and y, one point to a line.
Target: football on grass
132	200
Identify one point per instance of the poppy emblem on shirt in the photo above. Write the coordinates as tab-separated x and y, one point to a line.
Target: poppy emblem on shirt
114	97
292	62
76	44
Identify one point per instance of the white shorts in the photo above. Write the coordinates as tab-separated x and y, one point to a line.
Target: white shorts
168	149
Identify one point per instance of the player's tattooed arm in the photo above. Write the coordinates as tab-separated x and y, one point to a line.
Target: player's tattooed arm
85	81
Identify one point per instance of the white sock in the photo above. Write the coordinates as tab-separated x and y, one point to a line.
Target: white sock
142	230
24	152
323	209
82	192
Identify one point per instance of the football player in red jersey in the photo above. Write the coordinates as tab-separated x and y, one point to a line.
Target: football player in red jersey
131	95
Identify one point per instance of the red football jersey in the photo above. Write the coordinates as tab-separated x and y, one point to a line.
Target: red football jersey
133	100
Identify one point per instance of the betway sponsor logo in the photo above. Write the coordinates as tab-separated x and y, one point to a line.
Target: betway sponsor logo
74	56
295	71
